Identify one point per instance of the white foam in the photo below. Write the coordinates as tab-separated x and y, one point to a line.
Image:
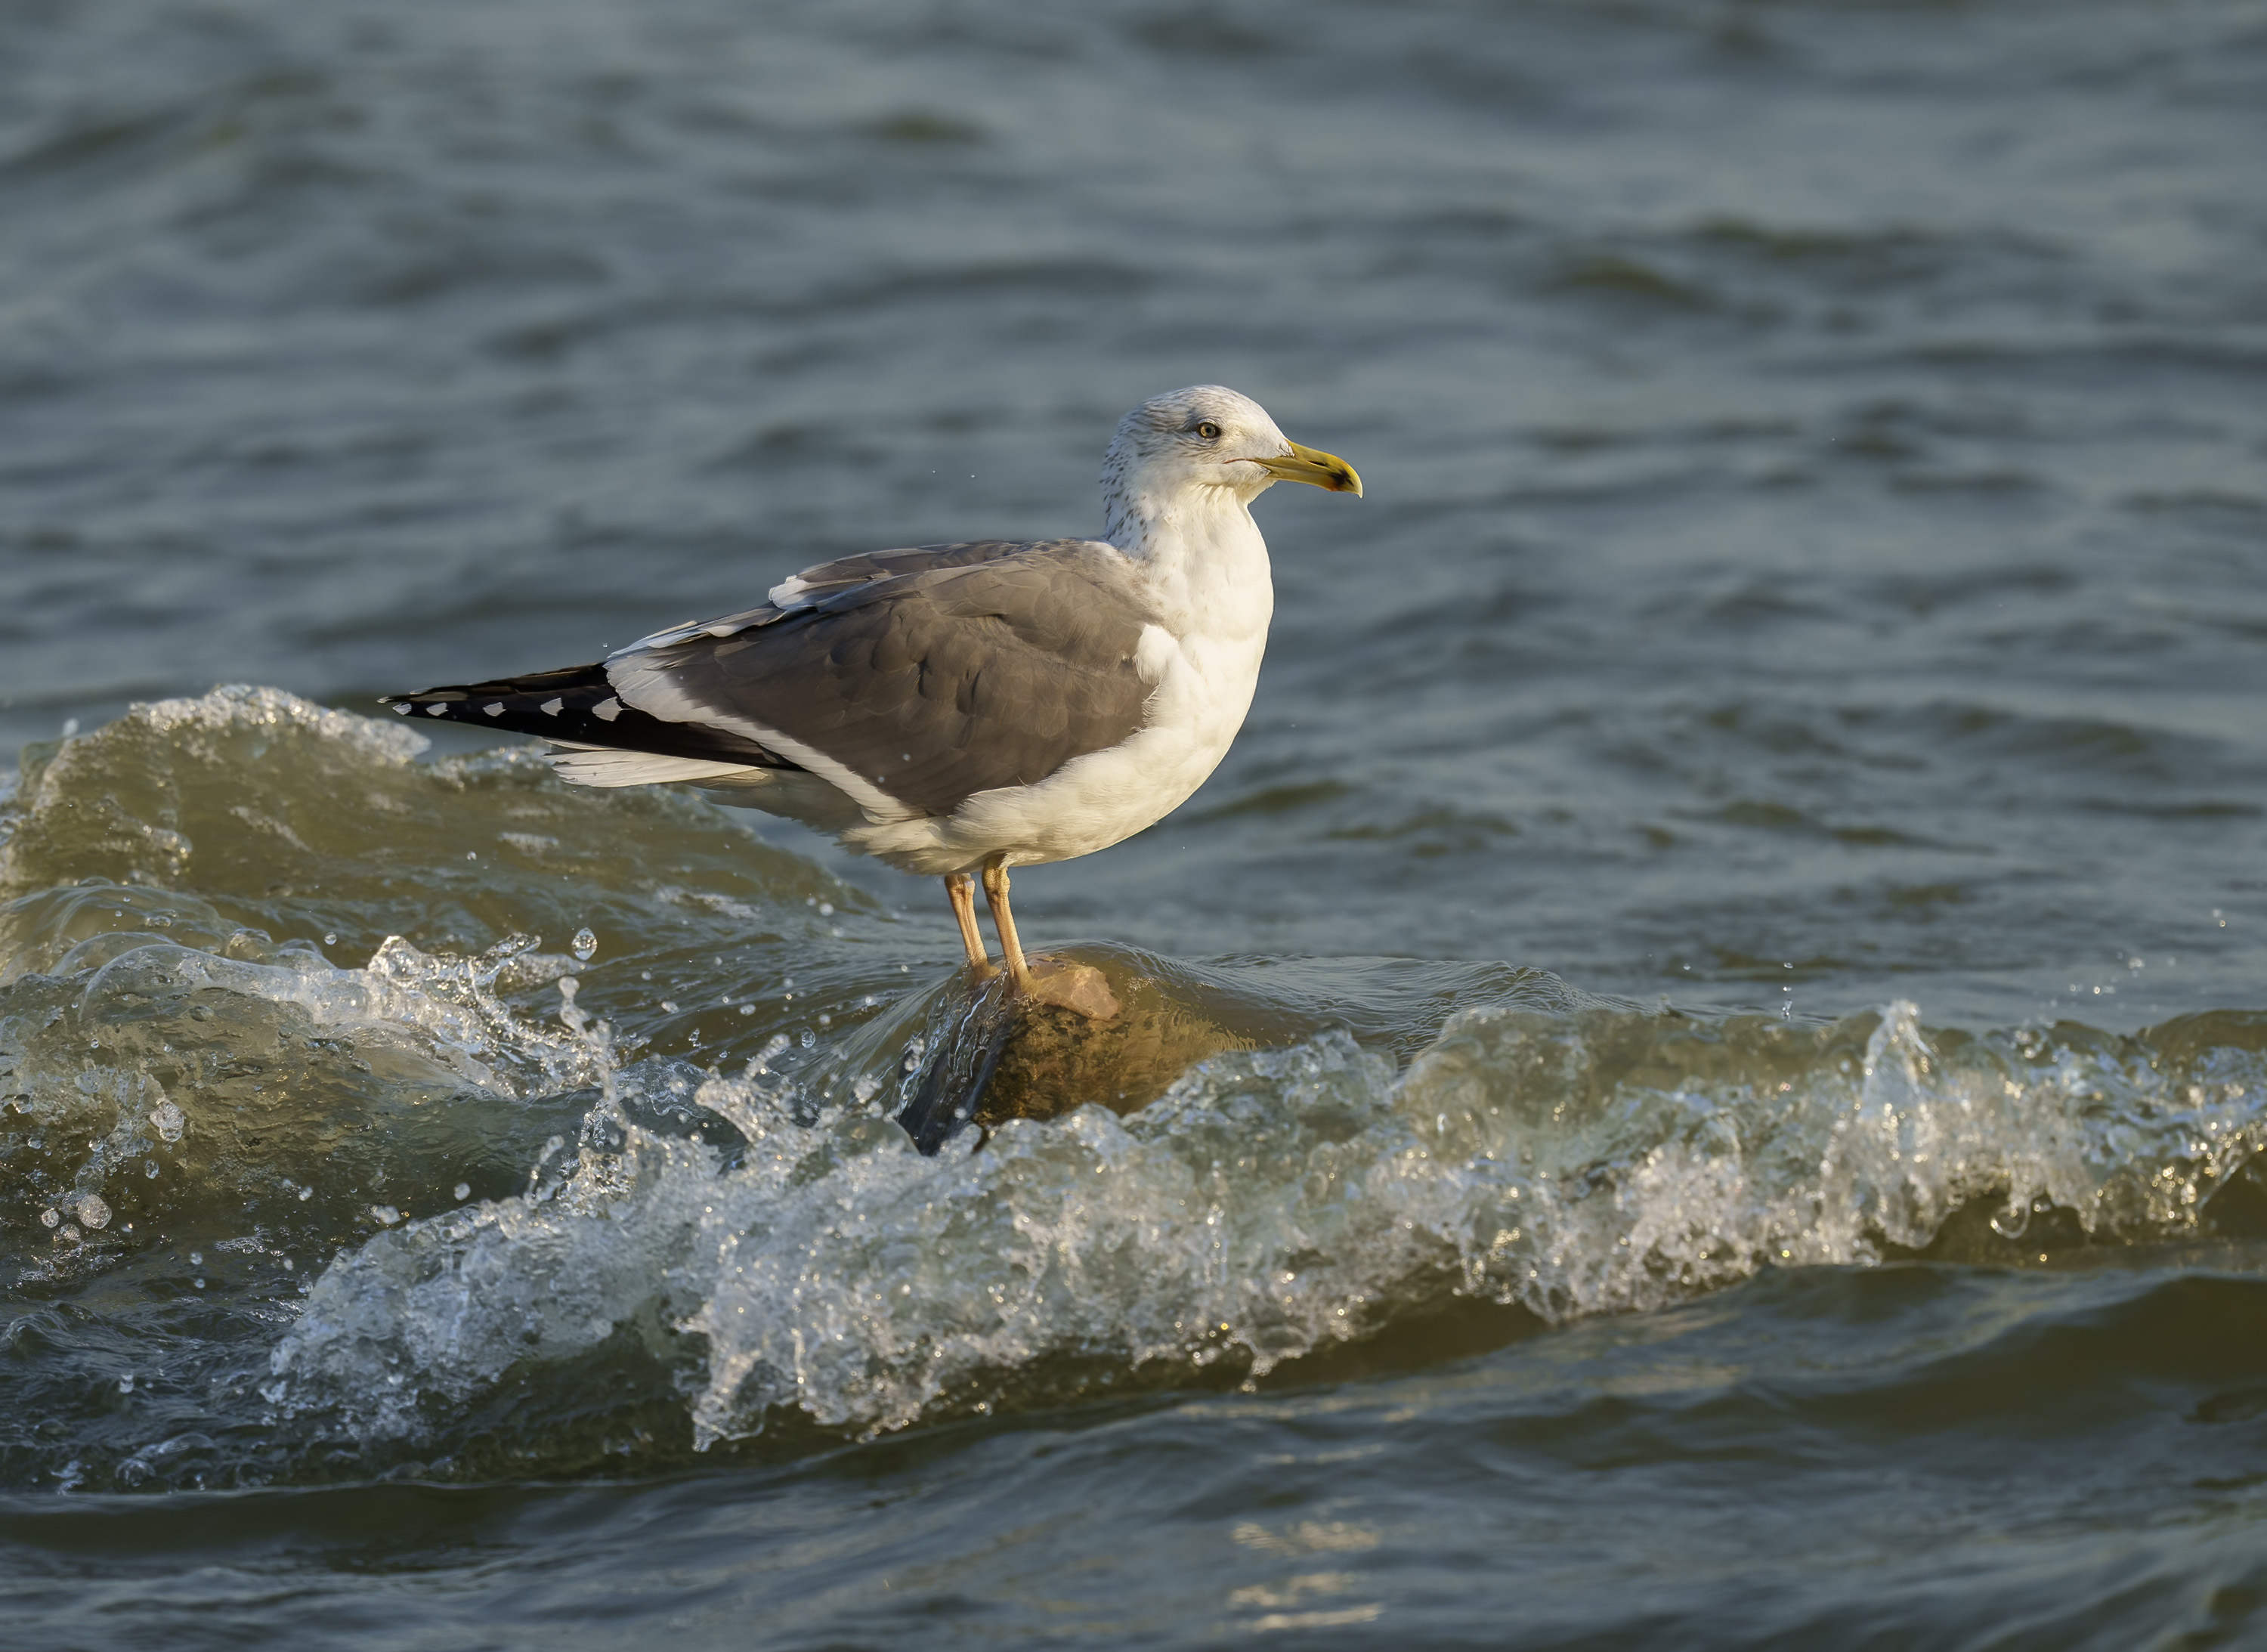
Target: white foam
1272	1204
238	705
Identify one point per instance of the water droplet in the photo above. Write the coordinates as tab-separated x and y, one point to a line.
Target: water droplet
48	1218
826	908
667	1008
196	1259
463	1190
747	1009
200	1284
168	1121
585	944
330	940
150	1169
826	1021
70	1231
472	855
94	1212
807	1038
307	1194
126	1384
387	1215
2010	1222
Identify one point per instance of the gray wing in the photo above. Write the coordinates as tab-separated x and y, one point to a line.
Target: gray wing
932	674
815	586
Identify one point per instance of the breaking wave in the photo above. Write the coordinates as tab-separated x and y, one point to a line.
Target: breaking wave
341	1215
1273	1204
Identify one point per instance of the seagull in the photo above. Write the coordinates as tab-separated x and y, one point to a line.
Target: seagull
954	710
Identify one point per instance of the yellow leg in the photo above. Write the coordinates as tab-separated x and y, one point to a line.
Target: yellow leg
995	895
960	889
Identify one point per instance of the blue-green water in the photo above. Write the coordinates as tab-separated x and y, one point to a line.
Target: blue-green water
1739	901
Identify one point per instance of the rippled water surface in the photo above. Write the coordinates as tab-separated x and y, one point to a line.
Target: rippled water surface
1707	1041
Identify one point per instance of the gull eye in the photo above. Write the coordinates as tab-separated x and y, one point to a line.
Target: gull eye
1208	431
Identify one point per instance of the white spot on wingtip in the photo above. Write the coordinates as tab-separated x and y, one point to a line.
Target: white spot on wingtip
495	707
552	707
401	709
436	710
606	710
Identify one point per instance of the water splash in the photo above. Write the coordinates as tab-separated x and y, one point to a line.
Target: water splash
504	1199
1276	1203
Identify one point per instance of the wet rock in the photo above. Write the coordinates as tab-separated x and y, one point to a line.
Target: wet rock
1008	1057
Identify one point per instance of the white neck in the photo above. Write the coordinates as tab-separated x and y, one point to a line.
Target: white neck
1202	558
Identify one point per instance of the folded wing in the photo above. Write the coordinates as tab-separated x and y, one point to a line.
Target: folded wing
910	680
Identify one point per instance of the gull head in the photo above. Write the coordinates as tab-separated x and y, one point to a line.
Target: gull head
1207	440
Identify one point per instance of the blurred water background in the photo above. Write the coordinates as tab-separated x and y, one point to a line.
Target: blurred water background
1741	893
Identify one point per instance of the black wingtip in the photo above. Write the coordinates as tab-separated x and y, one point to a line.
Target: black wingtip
577	704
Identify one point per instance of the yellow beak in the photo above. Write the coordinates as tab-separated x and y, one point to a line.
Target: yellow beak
1312	465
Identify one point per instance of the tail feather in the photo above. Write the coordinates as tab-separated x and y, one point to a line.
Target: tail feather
577	706
592	766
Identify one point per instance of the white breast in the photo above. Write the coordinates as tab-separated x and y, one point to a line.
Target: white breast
1210	580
